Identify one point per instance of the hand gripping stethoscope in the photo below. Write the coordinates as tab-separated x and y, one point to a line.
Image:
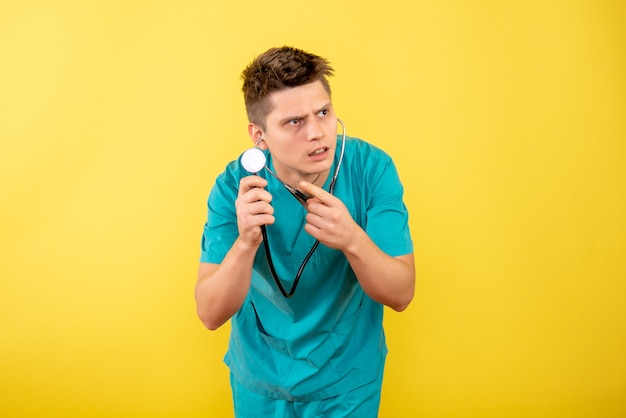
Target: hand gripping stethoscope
253	160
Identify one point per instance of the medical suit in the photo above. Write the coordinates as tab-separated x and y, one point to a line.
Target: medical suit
328	339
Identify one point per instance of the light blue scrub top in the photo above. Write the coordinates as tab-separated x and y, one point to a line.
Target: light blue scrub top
328	338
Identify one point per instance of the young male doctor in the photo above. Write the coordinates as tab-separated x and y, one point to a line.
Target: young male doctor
321	351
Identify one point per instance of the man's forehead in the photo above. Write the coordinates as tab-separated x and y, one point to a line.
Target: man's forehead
298	99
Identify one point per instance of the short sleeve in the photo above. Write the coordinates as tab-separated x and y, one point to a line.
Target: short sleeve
220	229
387	215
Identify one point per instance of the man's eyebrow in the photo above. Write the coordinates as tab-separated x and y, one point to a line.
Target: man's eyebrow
326	106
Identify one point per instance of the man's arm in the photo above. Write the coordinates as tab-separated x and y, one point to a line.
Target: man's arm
222	288
386	279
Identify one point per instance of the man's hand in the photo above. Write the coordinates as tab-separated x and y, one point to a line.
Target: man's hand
253	209
387	280
328	219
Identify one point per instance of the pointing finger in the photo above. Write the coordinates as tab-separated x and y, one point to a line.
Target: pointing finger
313	190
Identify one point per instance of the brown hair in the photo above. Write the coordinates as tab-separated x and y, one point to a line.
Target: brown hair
278	69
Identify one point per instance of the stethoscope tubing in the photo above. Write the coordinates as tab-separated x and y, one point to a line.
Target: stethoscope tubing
302	198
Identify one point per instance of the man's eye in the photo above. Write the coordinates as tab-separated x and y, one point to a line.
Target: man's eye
323	112
294	121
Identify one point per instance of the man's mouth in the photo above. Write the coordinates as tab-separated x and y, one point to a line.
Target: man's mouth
318	151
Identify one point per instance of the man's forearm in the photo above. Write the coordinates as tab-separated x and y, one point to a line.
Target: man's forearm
388	280
221	289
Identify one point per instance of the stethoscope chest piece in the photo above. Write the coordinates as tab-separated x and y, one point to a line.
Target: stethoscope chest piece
253	160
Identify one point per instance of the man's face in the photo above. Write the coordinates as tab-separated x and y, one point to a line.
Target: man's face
301	132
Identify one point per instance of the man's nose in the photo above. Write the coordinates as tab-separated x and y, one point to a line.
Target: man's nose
314	130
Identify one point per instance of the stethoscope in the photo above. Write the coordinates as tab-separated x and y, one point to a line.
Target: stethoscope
254	160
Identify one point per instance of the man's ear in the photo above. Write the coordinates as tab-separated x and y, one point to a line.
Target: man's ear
256	135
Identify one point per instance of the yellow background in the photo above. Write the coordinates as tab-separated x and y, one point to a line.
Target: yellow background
507	123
